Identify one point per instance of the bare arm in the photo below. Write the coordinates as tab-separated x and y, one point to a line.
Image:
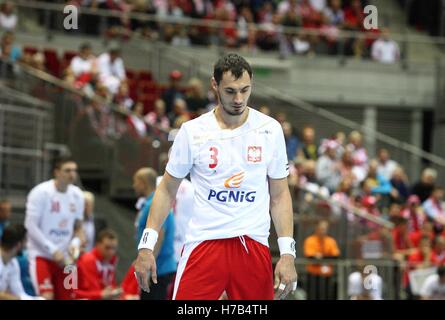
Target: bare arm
281	207
282	216
162	201
145	264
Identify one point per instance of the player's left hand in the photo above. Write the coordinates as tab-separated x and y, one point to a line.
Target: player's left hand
285	276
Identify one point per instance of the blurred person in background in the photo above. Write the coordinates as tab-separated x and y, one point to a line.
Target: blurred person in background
386	166
12	242
144	184
384	49
88	221
5	213
83	67
328	167
172	93
54	209
400	183
195	97
426	231
96	269
434	208
292	142
425	186
414	213
439	249
317	247
434	286
7	48
364	284
309	149
157	119
111	69
359	154
8	19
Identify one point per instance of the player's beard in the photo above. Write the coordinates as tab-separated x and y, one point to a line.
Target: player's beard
229	109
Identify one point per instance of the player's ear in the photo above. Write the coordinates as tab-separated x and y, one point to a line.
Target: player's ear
214	84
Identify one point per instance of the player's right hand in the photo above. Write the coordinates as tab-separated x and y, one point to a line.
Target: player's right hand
144	267
59	257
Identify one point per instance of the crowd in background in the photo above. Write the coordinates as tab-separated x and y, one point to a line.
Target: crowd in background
300	27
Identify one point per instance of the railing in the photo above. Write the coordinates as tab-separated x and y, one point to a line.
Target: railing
53	15
25	126
339	284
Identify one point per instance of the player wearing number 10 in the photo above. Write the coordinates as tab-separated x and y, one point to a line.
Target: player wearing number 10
236	157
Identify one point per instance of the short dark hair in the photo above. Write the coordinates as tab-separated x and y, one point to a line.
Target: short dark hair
12	235
59	162
231	62
106	233
85	45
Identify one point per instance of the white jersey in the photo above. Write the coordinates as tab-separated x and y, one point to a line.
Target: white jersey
55	214
229	171
432	288
10	281
373	283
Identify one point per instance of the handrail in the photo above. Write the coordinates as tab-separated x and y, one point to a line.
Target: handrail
306	106
400	37
351	208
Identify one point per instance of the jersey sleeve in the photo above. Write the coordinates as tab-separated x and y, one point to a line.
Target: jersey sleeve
180	160
278	167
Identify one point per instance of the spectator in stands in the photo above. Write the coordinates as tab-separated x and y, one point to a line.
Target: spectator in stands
343	196
434	208
359	155
309	149
111	69
425	186
123	99
328	167
402	244
136	123
439	249
195	97
11	243
334	13
422	258
157	119
399	181
7	48
179	110
96	269
317	247
245	32
5	214
172	93
292	142
386	166
8	19
380	185
433	287
354	17
83	67
144	185
385	50
281	117
365	285
414	213
425	231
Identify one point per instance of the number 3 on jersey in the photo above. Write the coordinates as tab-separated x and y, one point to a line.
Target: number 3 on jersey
213	157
